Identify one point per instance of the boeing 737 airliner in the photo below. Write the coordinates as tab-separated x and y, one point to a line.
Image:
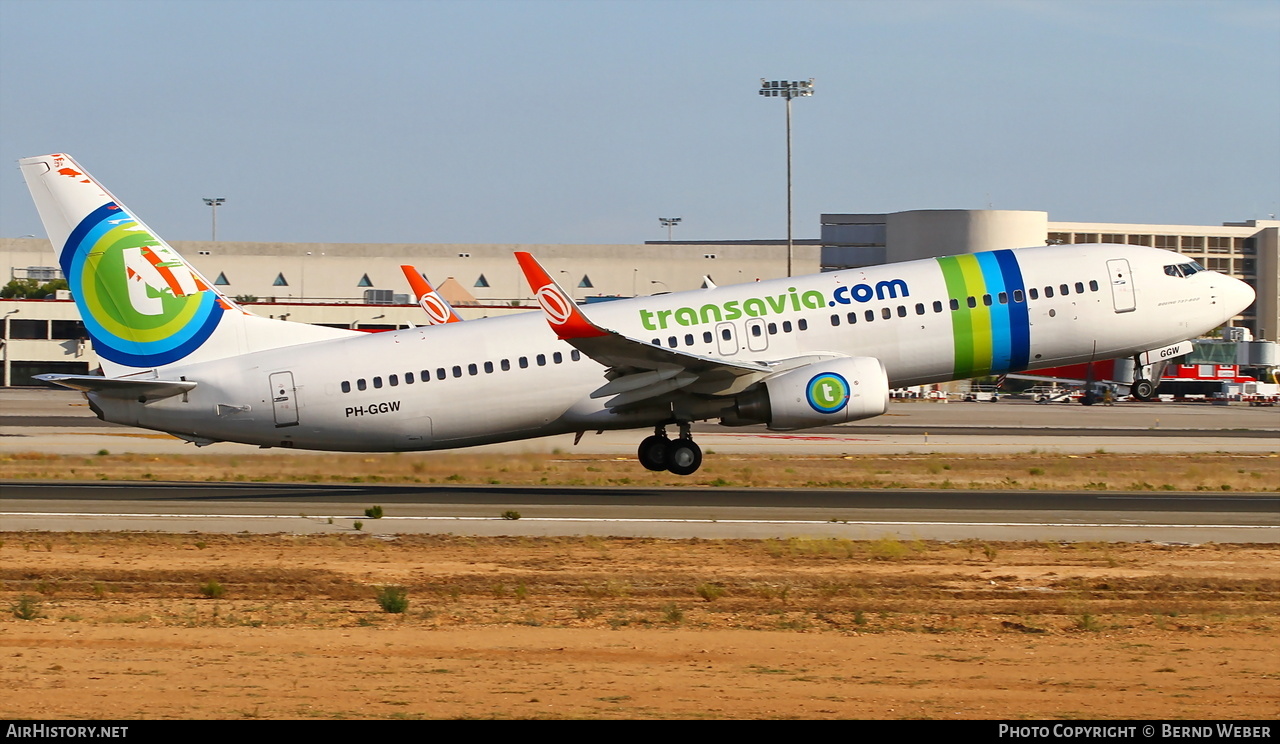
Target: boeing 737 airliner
180	357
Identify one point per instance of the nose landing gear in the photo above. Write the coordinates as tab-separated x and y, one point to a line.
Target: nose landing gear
680	456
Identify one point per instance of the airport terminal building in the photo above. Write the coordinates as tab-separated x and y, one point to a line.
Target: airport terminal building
362	285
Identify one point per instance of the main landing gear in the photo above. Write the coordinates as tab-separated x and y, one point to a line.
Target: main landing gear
680	456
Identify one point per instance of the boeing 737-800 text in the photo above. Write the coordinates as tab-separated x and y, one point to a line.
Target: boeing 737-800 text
179	356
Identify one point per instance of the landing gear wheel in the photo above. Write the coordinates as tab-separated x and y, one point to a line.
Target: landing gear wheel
1142	389
653	452
684	457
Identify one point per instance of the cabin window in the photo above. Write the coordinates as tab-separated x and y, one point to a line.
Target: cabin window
870	315
1018	296
377	383
786	326
672	341
1064	290
440	373
986	300
973	302
575	355
1035	293
802	324
472	369
919	308
542	360
1079	287
688	339
902	311
524	362
408	378
1003	298
488	368
852	318
393	380
1048	292
937	306
346	386
726	334
955	304
1093	285
361	384
773	329
756	330
457	371
707	337
557	357
505	364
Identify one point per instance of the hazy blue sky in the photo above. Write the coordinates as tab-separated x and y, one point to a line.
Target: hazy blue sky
576	121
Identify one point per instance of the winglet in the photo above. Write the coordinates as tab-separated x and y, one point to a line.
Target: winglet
438	310
562	314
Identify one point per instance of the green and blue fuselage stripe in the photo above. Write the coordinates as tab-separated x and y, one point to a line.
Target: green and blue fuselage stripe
989	339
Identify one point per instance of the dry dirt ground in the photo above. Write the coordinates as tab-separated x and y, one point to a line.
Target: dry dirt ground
1101	471
189	626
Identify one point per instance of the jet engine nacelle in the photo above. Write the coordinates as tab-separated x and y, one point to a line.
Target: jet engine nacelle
833	391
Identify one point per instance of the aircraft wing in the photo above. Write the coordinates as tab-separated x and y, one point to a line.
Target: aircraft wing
438	310
638	370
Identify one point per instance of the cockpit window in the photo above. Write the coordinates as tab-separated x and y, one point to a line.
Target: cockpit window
1183	269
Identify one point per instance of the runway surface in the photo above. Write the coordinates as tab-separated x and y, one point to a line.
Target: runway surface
60	422
674	513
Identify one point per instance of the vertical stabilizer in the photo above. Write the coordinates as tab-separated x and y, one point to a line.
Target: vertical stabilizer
143	305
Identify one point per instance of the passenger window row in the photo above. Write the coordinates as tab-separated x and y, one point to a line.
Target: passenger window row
1003	298
727	334
457	370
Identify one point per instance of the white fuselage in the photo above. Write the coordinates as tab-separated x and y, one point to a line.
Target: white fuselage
498	379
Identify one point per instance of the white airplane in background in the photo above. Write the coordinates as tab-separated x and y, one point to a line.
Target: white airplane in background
180	357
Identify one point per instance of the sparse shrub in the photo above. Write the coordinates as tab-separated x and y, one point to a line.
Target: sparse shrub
212	589
511	514
373	512
26	608
393	599
710	592
672	614
1088	622
358	525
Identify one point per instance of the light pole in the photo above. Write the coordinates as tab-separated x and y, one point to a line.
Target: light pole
669	222
213	203
787	89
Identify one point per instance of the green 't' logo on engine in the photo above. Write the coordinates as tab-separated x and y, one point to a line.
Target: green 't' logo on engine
828	392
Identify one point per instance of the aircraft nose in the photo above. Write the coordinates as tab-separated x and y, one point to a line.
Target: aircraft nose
1236	296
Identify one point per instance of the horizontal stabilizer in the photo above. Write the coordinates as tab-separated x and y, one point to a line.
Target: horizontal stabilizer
113	387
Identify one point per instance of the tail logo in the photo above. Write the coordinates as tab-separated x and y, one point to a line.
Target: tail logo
554	304
435	309
142	305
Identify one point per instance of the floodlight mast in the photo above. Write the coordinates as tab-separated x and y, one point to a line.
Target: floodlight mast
669	222
787	89
213	203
